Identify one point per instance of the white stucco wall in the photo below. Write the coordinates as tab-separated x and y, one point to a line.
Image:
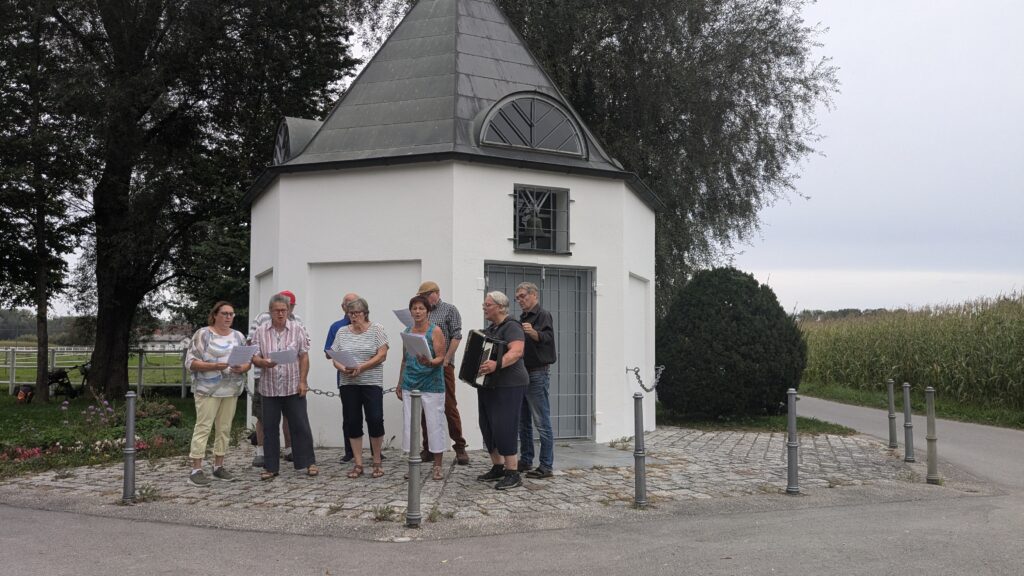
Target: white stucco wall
598	224
639	279
321	234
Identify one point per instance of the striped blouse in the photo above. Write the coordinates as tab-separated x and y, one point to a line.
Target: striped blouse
363	346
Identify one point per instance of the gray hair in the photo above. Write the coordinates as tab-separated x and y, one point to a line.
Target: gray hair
359	305
345	300
279	299
529	287
499	298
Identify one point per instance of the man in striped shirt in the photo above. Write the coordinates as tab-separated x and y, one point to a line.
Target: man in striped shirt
284	386
446	317
257	400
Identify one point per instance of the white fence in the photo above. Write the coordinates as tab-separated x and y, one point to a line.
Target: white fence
151	367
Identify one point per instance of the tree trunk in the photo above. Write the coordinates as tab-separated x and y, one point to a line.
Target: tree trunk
118	251
109	371
42	337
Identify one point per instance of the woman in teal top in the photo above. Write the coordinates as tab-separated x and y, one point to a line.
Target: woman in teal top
425	374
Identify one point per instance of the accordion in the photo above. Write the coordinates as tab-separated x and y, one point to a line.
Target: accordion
479	348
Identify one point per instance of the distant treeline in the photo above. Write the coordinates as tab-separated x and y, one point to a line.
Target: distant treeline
971	352
20	325
819	315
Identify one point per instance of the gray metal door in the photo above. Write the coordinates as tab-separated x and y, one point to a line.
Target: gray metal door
568	294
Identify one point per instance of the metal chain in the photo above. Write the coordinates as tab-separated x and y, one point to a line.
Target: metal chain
332	394
657	376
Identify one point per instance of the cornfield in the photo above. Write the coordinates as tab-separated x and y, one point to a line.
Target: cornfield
972	352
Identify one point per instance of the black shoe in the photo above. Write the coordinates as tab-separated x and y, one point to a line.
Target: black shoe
497	472
540	472
523	467
288	457
511	480
347	458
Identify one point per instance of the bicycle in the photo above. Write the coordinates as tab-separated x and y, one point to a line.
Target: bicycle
60	383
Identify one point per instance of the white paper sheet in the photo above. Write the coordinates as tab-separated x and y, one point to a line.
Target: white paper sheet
417	344
344	357
289	356
404	316
241	355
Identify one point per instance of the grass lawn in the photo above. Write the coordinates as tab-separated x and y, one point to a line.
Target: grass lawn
755	424
990	415
37	436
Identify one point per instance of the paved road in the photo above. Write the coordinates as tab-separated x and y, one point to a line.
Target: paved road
952	536
986	451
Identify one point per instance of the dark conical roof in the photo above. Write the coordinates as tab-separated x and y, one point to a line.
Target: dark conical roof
432	86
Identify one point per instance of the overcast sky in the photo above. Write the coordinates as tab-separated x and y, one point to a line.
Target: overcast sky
917	198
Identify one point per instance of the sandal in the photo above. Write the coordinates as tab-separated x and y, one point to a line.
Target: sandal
312	470
378	470
267	475
355	472
438	473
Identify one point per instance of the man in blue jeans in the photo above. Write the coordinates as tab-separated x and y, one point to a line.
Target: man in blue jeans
538	355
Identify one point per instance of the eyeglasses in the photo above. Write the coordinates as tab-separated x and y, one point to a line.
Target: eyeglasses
226	314
351	312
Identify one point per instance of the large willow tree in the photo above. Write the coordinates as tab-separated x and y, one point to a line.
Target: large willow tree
710	102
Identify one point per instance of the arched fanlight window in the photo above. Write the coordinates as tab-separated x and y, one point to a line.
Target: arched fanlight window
533	122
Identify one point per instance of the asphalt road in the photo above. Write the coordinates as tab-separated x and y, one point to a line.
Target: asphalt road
996	454
977	535
963	527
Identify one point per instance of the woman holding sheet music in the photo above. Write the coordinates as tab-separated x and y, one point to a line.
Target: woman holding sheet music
426	374
362	383
216	387
501	401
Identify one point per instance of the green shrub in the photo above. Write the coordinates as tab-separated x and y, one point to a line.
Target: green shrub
728	347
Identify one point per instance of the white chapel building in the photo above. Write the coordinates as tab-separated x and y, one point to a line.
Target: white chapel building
453	158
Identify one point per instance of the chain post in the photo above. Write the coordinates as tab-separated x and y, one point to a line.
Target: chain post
413	516
128	496
639	453
932	440
890	384
792	445
908	425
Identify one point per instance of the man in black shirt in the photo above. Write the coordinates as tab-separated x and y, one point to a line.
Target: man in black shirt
539	354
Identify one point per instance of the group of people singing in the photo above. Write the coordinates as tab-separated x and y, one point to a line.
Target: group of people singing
515	400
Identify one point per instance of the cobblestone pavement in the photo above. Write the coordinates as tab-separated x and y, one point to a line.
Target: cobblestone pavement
683	465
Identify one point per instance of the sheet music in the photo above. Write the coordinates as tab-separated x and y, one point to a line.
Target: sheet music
404	316
289	356
241	355
344	357
417	344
